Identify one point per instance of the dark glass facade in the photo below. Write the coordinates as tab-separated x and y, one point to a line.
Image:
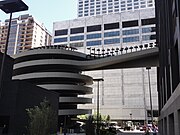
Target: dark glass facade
168	39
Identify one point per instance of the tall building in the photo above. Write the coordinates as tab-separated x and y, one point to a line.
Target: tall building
25	33
100	7
168	38
124	94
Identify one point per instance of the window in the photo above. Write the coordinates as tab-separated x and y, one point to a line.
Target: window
61	32
92	7
86	8
112	41
129	4
143	2
80	44
129	1
149	29
92	43
150	5
148	37
148	21
77	30
130	24
130	32
92	36
111	34
136	3
130	39
111	26
94	28
136	7
129	8
143	6
75	38
57	40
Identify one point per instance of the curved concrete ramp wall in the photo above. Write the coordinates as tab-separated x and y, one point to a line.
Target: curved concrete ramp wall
59	69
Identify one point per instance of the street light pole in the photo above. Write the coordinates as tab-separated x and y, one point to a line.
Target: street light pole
9	6
98	80
150	96
4	55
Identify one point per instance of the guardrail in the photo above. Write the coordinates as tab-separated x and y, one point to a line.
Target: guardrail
95	53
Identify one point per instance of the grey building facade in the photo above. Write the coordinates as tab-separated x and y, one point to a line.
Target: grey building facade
119	87
168	33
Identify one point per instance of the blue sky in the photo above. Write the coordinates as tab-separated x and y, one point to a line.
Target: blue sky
48	11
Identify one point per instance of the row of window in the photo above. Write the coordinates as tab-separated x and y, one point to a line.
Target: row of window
110	34
107	41
110	6
86	3
105	10
109	26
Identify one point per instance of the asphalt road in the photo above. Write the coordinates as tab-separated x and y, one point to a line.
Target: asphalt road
131	133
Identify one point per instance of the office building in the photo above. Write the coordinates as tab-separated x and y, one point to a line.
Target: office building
101	7
25	33
168	38
124	91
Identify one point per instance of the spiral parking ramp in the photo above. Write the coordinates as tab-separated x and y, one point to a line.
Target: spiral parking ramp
53	69
59	69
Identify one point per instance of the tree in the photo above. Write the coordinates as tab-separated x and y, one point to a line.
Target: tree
42	119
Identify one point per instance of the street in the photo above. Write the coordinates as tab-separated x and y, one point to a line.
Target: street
130	133
135	132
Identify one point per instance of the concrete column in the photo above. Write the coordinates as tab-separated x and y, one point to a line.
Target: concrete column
176	123
165	126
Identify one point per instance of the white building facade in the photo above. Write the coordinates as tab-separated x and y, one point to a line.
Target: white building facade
25	33
100	7
124	93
